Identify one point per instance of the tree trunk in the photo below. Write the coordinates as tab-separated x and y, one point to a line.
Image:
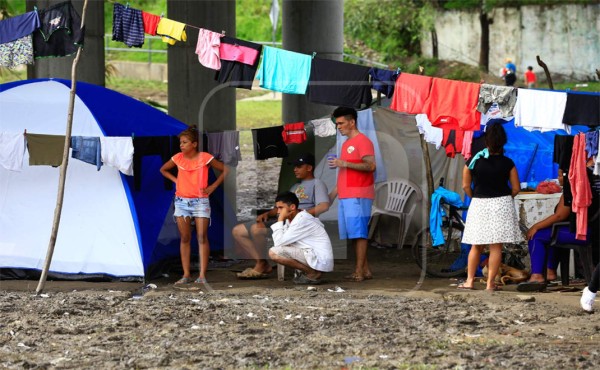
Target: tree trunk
484	47
434	44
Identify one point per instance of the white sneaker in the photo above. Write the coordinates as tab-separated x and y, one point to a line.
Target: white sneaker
587	300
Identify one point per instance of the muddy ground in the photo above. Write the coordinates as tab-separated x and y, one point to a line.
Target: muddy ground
397	320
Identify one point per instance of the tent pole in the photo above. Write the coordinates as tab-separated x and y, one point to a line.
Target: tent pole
63	168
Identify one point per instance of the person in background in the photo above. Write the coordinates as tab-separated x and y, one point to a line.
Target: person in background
191	198
510	73
492	181
355	188
510	66
530	78
251	236
300	241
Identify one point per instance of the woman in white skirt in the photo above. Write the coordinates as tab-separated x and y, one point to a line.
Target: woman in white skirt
492	219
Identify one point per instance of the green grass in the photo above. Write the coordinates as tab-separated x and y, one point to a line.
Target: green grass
257	114
592	86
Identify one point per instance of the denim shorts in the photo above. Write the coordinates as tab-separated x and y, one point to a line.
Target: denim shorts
192	207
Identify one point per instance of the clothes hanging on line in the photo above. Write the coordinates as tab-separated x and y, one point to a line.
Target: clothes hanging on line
45	150
225	146
164	146
16	53
19	26
432	135
540	110
284	71
504	96
87	149
384	80
117	152
563	149
339	83
238	53
128	25
234	73
582	109
580	186
150	23
268	143
171	31
467	145
294	133
208	49
410	93
60	33
323	127
453	141
452	105
12	151
591	143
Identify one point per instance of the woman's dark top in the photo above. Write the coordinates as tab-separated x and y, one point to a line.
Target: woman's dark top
491	176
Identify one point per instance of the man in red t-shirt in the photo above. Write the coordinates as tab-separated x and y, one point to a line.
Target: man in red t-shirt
355	188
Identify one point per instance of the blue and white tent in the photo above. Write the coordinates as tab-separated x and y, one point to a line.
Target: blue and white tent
107	228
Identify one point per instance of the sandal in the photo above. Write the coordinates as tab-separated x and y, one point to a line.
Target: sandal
355	278
251	274
183	280
464	287
200	280
305	280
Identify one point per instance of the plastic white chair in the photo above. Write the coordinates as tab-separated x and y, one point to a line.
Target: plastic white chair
397	194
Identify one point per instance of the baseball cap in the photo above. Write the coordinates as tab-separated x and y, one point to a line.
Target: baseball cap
305	158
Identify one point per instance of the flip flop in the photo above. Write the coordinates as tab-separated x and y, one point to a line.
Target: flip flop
463	287
531	286
200	281
251	274
305	280
356	278
183	280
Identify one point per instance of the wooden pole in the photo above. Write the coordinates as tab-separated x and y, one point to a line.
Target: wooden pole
63	167
428	171
546	71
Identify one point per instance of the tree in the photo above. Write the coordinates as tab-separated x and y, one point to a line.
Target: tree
484	7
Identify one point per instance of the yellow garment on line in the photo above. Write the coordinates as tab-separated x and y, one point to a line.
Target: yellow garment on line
171	31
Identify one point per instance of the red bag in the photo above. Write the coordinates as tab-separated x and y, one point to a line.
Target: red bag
548	187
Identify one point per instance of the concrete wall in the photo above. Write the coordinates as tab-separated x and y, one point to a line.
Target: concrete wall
141	70
566	37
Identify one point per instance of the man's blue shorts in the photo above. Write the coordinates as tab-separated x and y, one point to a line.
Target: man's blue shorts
353	218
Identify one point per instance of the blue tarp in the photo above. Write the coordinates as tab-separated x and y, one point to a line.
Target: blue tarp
532	151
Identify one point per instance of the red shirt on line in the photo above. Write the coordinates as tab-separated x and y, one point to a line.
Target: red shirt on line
352	183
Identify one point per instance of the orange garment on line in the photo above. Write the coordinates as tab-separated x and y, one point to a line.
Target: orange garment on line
410	93
453	104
